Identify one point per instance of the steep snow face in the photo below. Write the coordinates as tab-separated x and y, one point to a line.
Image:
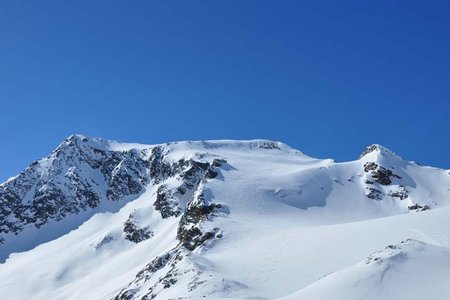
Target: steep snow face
214	219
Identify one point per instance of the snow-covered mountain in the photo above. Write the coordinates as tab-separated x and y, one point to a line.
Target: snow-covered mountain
256	219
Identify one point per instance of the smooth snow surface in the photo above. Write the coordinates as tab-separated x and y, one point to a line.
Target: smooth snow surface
296	227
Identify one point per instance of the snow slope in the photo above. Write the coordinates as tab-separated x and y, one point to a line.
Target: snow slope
223	219
409	270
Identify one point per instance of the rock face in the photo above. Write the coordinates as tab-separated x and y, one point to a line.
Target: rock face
198	210
147	285
171	266
82	172
134	233
377	176
380	174
166	202
190	236
190	174
75	177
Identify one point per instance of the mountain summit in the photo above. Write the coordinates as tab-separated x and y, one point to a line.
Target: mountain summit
99	219
376	149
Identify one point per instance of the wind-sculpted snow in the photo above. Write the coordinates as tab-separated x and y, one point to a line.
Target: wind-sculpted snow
256	219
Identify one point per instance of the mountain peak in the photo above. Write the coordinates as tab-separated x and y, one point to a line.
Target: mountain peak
78	137
377	149
82	141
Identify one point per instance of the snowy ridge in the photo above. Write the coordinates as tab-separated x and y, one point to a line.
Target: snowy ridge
210	219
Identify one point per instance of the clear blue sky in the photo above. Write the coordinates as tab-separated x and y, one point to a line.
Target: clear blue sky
326	77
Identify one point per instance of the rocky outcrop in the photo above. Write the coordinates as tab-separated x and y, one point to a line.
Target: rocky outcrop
379	150
400	192
190	173
106	240
135	233
374	194
167	203
368	150
159	168
161	273
380	174
269	145
384	176
377	178
370	166
146	274
189	232
417	207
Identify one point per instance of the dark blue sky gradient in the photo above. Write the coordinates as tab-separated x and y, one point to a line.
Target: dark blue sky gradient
326	77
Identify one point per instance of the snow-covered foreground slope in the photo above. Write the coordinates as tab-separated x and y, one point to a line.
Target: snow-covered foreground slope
222	219
409	270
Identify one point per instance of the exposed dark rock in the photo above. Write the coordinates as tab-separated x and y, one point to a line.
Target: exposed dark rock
189	234
166	203
380	174
128	177
384	176
57	186
134	233
210	174
217	163
106	240
374	194
368	150
191	173
370	166
156	264
269	145
126	294
67	181
380	150
418	207
168	260
400	193
159	169
168	280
